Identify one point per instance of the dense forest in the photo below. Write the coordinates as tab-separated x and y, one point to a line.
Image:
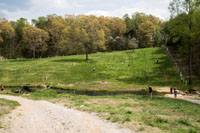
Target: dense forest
56	35
182	34
81	34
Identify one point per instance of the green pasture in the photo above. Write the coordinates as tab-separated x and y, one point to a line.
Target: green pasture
124	70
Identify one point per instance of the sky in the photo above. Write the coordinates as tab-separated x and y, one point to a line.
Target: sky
32	9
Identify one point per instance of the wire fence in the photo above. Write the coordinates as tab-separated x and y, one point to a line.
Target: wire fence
182	77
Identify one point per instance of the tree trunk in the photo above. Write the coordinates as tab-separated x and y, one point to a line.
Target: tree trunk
198	67
190	47
56	49
34	52
190	64
87	54
13	50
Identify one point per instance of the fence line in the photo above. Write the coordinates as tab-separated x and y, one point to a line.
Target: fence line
176	65
171	57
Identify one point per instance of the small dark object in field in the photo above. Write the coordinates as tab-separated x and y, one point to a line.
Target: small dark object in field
16	91
150	91
157	61
171	90
25	88
145	73
94	69
129	65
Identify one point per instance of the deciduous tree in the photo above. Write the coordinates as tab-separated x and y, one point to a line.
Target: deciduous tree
34	41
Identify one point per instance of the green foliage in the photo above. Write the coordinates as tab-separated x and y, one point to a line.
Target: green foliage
183	121
161	120
182	32
145	28
19	25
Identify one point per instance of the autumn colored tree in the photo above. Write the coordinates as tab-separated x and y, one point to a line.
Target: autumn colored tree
54	26
70	35
34	41
7	39
92	36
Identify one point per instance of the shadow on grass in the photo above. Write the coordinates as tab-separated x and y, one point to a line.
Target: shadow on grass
22	60
73	60
101	92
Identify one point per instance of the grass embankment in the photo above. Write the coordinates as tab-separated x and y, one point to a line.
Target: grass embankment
124	70
6	106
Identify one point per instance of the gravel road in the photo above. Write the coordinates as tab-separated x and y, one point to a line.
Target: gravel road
45	117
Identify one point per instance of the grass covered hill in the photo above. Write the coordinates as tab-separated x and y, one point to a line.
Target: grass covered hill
124	70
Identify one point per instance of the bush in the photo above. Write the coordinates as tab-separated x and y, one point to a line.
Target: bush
183	121
161	120
133	44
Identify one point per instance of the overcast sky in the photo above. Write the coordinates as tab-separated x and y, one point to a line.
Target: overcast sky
14	9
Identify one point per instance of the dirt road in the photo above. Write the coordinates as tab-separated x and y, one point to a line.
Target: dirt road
179	96
45	117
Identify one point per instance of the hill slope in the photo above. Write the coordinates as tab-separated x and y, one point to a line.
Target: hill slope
116	70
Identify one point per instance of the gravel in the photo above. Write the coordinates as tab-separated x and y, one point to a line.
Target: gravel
45	117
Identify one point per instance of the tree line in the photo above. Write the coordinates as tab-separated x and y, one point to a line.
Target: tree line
81	34
182	33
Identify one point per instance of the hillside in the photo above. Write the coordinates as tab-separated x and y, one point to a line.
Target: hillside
115	70
121	71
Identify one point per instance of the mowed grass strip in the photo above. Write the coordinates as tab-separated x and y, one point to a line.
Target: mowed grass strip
131	69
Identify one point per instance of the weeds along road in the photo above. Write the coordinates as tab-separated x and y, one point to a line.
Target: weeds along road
45	117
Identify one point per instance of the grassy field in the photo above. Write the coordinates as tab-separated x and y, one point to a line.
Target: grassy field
116	71
6	106
137	112
141	113
124	70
